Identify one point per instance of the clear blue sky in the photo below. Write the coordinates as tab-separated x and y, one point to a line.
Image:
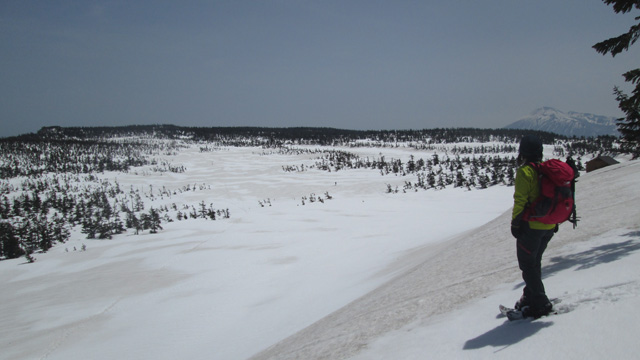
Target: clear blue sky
350	64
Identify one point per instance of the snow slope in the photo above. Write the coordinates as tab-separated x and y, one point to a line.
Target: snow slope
446	307
366	274
227	289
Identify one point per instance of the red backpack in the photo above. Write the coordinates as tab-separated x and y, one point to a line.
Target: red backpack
556	203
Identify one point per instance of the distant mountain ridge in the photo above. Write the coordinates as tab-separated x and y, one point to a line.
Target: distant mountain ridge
567	124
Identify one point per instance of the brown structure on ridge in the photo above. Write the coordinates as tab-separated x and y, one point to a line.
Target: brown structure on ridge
600	162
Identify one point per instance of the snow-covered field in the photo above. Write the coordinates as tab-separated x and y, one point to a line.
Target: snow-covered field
365	274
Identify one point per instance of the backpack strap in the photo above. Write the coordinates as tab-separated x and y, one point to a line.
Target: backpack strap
576	173
534	166
527	207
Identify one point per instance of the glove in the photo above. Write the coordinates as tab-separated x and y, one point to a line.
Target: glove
516	229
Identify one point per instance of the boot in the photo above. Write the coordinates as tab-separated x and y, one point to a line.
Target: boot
522	303
537	312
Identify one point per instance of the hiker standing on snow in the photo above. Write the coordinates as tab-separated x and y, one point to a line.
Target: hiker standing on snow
532	236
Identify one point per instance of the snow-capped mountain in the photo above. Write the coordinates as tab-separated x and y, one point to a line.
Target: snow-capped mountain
568	124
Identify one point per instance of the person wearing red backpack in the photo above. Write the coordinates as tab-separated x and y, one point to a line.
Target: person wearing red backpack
532	236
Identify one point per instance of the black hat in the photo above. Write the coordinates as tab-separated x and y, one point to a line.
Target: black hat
531	147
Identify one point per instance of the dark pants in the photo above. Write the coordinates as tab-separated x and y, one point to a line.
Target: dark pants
531	245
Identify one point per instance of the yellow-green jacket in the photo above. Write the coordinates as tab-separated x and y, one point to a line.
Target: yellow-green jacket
527	189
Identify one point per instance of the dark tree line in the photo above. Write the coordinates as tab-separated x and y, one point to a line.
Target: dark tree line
34	157
436	172
275	137
601	145
88	149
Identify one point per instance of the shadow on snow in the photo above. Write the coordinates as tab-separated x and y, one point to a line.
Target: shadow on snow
506	334
602	254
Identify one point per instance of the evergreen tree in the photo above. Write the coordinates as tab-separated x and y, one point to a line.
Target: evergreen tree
138	224
60	231
483	181
138	204
42	232
27	238
441	182
431	179
132	222
9	242
5	208
471	182
154	220
211	212
460	179
90	227
116	225
17	207
436	160
129	220
411	165
78	214
107	211
145	221
36	202
628	126
511	176
103	228
203	210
